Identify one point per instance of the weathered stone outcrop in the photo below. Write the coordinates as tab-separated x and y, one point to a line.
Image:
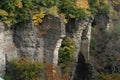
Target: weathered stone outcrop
37	42
53	31
80	30
7	47
106	37
83	62
2	55
27	41
42	43
84	68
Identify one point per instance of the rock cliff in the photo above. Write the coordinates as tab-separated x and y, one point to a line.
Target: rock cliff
24	39
96	39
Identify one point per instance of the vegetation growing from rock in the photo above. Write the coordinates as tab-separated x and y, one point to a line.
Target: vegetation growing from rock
92	42
24	68
15	11
66	54
99	6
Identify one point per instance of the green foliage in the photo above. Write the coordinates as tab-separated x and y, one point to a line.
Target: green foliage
92	43
66	54
37	18
69	8
21	10
104	8
116	32
17	9
48	3
93	6
24	69
98	6
92	46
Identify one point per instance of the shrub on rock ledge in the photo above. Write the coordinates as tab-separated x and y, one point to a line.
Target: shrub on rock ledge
24	69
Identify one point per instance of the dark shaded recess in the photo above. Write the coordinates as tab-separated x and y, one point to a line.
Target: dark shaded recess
84	33
83	70
93	24
70	27
101	20
117	7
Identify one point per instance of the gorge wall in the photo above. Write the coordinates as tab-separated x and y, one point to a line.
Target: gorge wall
68	39
43	42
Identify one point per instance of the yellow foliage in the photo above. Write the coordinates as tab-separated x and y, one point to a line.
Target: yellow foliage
63	17
37	18
12	14
4	18
72	16
82	4
66	48
7	22
18	3
118	59
3	12
53	11
88	13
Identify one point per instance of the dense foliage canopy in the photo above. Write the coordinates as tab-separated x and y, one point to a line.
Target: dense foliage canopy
15	11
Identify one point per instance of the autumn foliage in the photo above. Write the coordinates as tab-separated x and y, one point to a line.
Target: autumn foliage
82	4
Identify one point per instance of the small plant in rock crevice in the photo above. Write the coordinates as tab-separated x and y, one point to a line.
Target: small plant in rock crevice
93	42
